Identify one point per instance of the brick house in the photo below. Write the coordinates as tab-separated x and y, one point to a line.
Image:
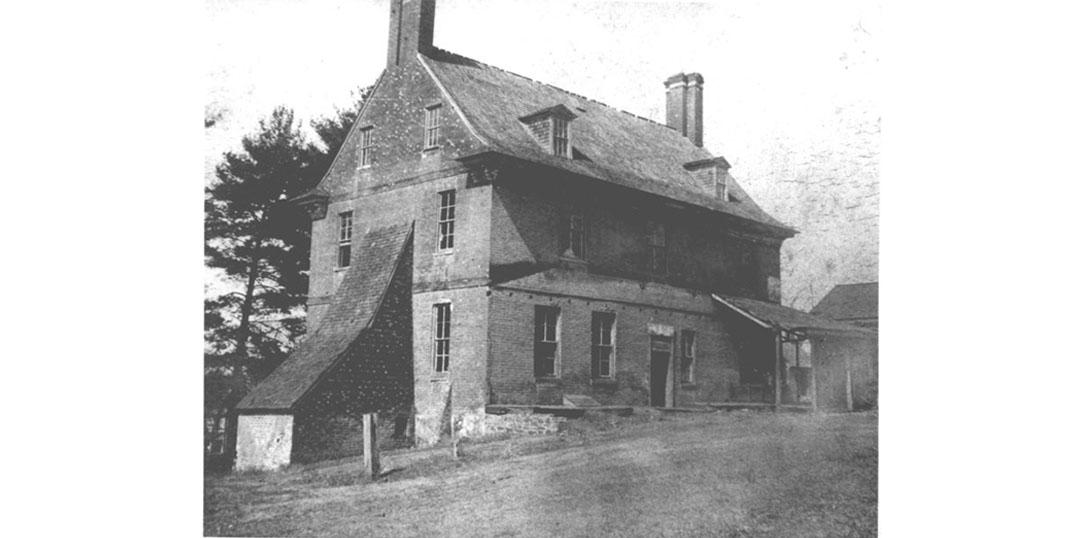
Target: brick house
483	238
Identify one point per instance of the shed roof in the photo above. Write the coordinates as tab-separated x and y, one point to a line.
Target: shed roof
776	316
608	144
377	255
850	301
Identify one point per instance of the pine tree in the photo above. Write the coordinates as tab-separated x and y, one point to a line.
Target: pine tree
261	242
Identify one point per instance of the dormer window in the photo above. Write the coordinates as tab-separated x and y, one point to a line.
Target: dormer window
721	186
714	173
551	128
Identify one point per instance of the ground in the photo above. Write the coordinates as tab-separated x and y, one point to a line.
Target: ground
715	474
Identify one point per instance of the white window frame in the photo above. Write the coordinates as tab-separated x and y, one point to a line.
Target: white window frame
344	238
559	136
442	333
446	238
598	345
432	130
366	146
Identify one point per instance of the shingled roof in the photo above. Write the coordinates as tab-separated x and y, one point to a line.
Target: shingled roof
377	256
609	144
850	301
789	319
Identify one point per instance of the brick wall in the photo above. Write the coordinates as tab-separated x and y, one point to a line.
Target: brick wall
263	442
512	379
462	391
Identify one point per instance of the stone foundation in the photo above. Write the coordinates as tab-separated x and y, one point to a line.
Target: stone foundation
524	424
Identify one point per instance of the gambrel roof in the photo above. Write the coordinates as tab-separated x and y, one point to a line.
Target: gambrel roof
608	144
378	254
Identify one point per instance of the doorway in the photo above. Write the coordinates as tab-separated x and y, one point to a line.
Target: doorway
661	350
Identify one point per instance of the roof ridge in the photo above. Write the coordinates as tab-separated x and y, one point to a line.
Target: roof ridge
548	85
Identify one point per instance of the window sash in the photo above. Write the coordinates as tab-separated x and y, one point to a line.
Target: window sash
446	219
366	146
433	126
442	324
688	356
547	339
602	344
560	136
344	239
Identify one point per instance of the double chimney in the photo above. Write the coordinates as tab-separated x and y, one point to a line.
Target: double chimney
684	105
411	29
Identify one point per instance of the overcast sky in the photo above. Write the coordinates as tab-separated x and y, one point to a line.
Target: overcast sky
789	95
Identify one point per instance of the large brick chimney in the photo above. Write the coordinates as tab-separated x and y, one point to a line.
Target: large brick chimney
411	29
684	105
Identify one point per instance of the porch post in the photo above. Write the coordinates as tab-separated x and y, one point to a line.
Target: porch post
848	385
814	385
777	369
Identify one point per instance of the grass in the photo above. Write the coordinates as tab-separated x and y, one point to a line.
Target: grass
725	474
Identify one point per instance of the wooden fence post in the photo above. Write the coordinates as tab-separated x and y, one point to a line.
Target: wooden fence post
370	445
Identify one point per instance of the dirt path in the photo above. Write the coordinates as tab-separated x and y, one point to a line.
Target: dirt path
740	474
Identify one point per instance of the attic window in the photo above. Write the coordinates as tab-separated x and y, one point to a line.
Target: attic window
721	187
433	126
366	146
550	127
714	173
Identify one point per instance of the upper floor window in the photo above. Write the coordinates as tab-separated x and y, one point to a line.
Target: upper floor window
658	240
433	127
442	324
575	238
560	136
602	344
446	219
688	356
344	239
366	146
547	336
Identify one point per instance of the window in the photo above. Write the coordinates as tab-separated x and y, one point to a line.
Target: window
688	356
602	344
546	338
560	136
442	322
344	241
433	126
446	219
659	249
366	146
575	241
721	189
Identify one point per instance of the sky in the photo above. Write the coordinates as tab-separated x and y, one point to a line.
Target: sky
790	94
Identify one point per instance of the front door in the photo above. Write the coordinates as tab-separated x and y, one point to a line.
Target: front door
661	349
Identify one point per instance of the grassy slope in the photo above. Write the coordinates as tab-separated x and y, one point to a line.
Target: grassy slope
731	474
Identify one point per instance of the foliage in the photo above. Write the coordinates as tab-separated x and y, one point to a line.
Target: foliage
260	242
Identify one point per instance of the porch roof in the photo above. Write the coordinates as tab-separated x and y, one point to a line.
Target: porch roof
775	316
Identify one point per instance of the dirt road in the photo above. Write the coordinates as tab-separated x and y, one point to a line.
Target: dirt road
738	474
